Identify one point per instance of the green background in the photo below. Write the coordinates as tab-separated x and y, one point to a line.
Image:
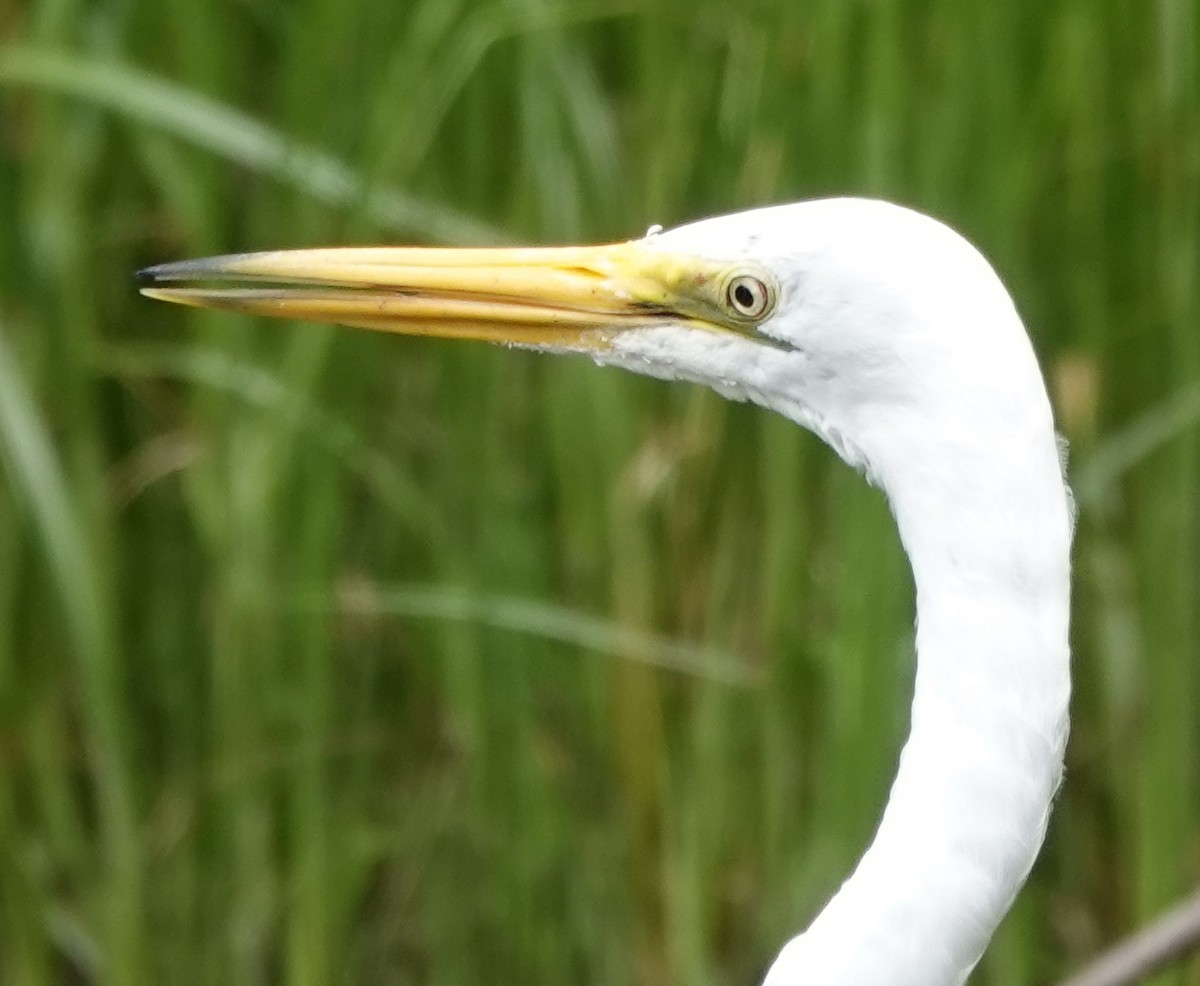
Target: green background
328	657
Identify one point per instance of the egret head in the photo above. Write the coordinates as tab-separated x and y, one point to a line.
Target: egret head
856	318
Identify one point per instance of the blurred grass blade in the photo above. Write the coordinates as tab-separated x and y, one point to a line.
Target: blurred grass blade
33	469
546	621
1121	451
236	137
260	388
35	474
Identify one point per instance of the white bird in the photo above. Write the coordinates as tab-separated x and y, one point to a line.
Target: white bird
890	337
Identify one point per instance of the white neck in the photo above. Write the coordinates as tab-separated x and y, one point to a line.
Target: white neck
899	345
989	541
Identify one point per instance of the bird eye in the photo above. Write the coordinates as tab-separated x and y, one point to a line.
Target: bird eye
748	296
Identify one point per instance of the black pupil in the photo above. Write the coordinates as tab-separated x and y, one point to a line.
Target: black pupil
743	296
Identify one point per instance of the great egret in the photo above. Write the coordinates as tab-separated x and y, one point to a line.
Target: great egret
890	337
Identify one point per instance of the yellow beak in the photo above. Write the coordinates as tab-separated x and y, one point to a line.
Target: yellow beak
573	297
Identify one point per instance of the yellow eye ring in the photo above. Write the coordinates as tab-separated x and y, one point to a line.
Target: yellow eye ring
748	296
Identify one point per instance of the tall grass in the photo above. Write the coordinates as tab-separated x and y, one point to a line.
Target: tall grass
328	657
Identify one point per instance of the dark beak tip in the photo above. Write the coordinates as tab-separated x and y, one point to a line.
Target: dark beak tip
199	269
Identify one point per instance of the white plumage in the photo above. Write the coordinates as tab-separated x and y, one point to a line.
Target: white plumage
907	356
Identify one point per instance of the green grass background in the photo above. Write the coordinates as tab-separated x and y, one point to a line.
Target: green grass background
328	657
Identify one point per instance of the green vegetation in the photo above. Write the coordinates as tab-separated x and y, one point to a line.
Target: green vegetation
328	657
